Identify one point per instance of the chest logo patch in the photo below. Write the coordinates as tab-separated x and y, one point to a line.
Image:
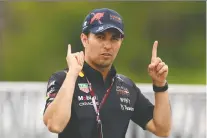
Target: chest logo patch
122	91
83	87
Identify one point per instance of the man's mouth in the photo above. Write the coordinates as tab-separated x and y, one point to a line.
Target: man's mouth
106	54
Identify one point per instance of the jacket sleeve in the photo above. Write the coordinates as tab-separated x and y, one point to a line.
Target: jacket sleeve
53	86
143	109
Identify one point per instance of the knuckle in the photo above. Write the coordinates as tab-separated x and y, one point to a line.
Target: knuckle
158	58
161	64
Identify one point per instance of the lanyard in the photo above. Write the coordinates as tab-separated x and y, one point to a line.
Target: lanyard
97	109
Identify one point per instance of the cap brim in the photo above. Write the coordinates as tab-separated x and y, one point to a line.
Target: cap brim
104	27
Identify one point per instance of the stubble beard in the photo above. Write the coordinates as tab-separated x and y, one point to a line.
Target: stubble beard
103	65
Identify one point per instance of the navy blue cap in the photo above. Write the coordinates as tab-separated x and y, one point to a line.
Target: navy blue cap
100	20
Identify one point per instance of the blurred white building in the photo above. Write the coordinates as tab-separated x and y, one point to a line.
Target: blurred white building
22	104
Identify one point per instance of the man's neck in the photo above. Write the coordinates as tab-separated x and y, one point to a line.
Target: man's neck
103	70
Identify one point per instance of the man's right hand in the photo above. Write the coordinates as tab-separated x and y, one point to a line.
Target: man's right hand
75	61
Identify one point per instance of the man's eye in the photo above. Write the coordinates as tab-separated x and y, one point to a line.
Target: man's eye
100	37
115	38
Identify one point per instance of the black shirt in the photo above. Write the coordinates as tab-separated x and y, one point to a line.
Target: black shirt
124	102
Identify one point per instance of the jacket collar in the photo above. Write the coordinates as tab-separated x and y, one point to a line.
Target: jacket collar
94	75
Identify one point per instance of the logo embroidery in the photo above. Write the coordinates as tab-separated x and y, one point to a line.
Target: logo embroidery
84	87
126	108
97	17
85	25
87	100
51	83
81	74
115	18
50	93
100	28
122	91
125	100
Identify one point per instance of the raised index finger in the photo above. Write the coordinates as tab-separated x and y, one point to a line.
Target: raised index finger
69	50
154	50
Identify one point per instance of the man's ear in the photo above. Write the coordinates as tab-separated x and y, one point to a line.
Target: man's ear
84	39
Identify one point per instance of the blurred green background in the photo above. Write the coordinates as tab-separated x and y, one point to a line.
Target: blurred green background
35	36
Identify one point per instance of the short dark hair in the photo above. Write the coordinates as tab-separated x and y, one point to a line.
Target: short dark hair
86	33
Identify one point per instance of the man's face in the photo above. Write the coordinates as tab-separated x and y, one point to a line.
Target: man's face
102	48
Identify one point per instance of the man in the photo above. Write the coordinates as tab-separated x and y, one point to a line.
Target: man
90	100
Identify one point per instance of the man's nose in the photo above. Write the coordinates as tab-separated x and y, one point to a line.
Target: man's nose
107	44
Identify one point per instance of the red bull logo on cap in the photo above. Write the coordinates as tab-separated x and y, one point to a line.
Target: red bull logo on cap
97	17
